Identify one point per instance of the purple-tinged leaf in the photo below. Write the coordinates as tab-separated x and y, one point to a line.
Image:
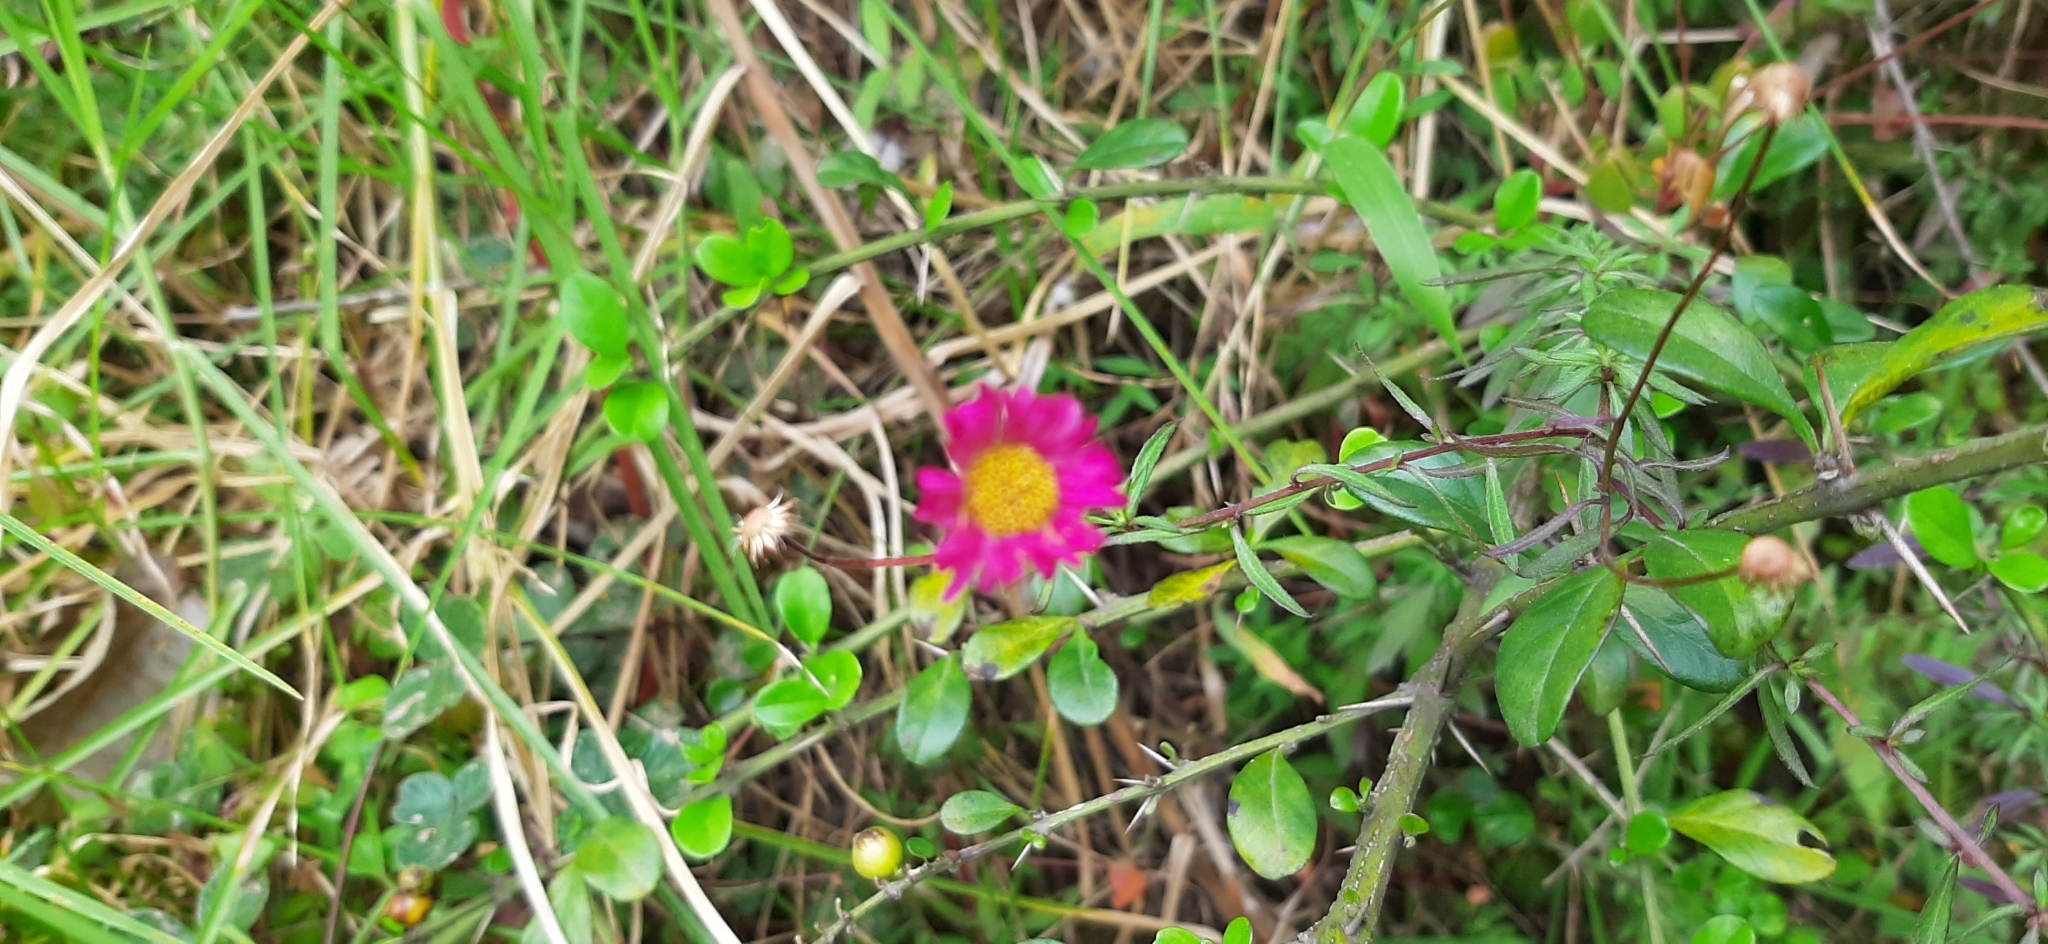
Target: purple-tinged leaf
1779	451
1945	673
1881	556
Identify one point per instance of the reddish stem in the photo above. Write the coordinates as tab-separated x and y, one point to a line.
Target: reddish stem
1966	845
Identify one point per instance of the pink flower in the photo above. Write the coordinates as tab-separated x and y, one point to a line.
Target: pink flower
1025	469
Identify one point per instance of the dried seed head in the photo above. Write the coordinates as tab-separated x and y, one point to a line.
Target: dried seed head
1688	181
1772	564
762	531
1778	91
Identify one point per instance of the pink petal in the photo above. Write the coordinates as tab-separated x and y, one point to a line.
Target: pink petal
961	551
941	492
1003	563
974	426
1047	552
1054	425
1080	536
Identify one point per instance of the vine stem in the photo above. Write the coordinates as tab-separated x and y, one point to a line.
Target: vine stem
951	861
1692	291
1966	845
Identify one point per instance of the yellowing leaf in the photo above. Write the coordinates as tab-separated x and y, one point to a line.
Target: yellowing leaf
1188	587
1755	835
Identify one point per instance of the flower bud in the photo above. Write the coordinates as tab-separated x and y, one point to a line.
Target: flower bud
1772	564
877	853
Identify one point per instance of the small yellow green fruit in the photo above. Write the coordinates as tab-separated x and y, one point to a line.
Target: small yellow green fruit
877	853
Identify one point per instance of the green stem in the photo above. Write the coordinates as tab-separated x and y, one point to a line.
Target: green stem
1632	800
1854	492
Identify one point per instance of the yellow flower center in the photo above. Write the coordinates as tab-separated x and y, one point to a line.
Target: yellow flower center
1011	490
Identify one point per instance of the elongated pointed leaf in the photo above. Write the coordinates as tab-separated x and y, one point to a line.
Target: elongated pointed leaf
1256	572
1548	648
1144	142
1708	347
1375	191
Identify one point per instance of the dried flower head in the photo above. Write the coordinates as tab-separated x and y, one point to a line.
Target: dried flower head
1772	564
1777	91
1025	469
762	530
1688	180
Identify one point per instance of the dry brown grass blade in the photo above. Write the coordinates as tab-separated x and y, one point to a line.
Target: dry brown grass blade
882	311
14	385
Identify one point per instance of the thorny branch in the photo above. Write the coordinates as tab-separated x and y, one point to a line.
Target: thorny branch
1150	787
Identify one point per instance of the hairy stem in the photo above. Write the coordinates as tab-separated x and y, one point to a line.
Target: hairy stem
1859	490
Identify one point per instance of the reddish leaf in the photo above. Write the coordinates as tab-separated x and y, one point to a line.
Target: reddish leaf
1126	885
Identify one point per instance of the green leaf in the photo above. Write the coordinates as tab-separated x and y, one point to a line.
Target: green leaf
1084	688
786	705
1648	833
1239	931
839	671
1708	347
805	604
620	858
1335	564
1344	800
938	206
1144	142
792	281
2022	526
1755	835
1909	411
703	829
1725	929
934	711
1674	641
1934	915
1376	116
1143	467
1608	187
1375	191
1272	817
1255	571
1548	648
418	697
1738	616
728	260
2024	571
1176	936
1455	505
1082	215
1515	201
1795	317
637	411
976	811
1005	649
1032	176
1942	523
771	246
746	295
1605	684
569	896
1798	144
853	168
594	314
428	830
605	371
1981	317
